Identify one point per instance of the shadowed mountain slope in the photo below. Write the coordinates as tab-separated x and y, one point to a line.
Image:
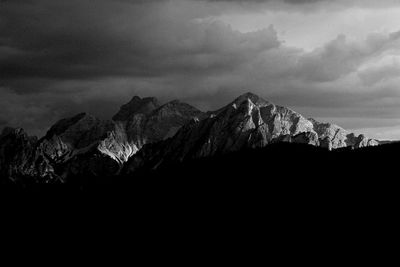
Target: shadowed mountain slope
147	135
247	122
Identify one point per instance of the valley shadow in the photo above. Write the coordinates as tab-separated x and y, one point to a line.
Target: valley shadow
278	173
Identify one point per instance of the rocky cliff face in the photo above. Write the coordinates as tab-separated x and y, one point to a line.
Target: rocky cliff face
85	145
161	123
19	160
248	122
144	121
73	136
332	137
145	133
137	105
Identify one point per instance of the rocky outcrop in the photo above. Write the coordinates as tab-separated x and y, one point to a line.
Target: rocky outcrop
117	145
159	124
146	134
137	105
84	145
73	136
247	122
144	121
332	136
47	160
19	160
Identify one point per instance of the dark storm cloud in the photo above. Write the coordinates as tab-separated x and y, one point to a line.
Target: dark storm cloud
51	40
72	41
62	57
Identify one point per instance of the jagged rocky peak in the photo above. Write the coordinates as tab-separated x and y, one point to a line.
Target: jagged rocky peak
84	144
16	148
15	133
137	105
117	146
72	136
176	107
7	131
80	130
161	123
144	121
13	136
332	136
63	124
247	122
255	99
246	101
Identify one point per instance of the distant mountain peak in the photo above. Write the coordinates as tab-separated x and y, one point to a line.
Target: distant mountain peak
10	130
64	124
14	132
255	99
248	122
240	100
178	106
83	144
137	105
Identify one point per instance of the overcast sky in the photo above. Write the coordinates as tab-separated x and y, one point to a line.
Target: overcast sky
337	61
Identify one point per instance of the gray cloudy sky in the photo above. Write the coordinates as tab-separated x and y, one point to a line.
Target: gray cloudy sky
337	61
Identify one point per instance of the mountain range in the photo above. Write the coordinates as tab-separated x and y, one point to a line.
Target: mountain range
147	134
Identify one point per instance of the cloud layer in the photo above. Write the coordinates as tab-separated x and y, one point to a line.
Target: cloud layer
58	58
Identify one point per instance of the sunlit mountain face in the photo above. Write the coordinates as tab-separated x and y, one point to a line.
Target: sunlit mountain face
145	134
